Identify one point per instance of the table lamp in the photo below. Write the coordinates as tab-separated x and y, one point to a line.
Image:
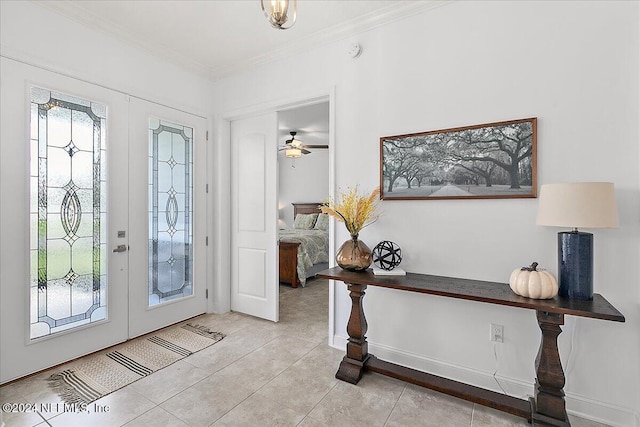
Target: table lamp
577	205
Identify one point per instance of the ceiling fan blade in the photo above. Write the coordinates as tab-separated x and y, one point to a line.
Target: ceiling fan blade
305	151
317	146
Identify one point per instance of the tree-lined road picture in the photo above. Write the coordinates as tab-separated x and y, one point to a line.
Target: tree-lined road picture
495	160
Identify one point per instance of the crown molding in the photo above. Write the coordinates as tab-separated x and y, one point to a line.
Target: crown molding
69	9
395	11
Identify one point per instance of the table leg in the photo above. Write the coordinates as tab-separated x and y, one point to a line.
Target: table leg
352	364
548	405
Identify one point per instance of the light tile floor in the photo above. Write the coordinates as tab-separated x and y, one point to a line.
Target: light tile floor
262	374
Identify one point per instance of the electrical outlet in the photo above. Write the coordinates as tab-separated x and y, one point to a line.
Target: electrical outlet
496	333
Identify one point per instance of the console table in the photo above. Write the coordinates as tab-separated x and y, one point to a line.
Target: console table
545	408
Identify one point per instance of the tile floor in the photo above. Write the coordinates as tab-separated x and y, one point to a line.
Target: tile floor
262	374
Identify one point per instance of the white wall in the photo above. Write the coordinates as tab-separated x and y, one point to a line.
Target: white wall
574	65
39	36
307	182
34	35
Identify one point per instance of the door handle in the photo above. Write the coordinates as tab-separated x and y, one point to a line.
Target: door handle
120	248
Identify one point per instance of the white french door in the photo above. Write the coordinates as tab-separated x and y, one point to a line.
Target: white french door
167	224
64	168
74	197
254	239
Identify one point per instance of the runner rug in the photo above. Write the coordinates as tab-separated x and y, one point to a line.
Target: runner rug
103	373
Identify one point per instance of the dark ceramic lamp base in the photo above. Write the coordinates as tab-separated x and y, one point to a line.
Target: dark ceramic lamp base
575	265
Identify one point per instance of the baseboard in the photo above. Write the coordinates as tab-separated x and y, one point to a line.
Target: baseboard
602	412
581	406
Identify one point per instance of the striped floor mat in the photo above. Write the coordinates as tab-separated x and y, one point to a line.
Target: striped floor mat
105	372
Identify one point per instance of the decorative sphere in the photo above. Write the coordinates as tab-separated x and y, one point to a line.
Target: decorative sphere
387	255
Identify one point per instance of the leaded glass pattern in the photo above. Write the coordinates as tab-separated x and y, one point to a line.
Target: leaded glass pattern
67	213
170	211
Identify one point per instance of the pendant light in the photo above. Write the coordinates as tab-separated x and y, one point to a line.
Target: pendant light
278	13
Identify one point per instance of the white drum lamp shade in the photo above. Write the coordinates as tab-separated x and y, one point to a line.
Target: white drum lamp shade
577	205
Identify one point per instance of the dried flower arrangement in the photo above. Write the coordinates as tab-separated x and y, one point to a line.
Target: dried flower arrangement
355	210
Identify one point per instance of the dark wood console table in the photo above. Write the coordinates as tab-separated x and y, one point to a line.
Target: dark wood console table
546	408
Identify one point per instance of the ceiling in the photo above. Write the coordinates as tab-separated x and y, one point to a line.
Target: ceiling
221	37
311	122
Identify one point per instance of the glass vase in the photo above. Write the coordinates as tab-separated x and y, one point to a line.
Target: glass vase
354	255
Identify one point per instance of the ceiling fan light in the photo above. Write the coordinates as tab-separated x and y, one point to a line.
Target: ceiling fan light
293	153
277	12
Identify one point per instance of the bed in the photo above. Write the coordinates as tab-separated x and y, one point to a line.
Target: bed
303	252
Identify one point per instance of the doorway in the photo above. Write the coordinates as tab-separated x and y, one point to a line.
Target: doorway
303	183
269	133
99	219
304	179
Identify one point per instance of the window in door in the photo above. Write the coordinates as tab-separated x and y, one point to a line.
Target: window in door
68	212
170	211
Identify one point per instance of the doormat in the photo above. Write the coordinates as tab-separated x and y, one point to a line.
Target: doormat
106	372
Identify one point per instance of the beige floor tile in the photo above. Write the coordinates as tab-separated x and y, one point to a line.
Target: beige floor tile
323	359
117	408
367	404
9	393
424	407
205	402
36	389
234	346
262	411
300	388
157	417
168	382
21	413
311	422
313	331
227	323
286	348
488	417
254	370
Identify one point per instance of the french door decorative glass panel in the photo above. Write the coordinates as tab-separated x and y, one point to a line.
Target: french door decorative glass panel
170	211
68	212
167	220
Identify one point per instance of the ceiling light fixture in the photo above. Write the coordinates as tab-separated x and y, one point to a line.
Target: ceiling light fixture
293	153
277	12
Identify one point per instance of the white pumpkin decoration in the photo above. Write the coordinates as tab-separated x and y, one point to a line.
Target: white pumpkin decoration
533	283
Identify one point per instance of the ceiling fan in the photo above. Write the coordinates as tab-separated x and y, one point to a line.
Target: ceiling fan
295	148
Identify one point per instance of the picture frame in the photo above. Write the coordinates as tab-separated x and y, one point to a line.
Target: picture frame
486	161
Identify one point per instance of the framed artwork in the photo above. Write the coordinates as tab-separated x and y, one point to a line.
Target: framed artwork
487	161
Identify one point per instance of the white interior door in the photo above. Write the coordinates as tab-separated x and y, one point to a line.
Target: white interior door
167	199
254	239
64	171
